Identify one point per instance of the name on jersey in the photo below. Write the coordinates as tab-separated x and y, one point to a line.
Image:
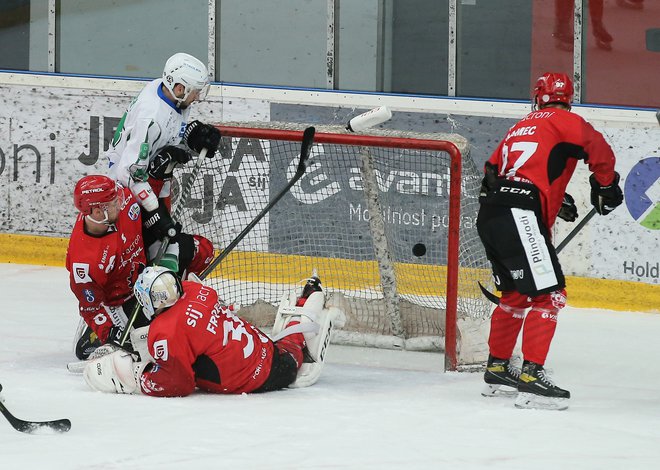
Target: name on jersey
527	130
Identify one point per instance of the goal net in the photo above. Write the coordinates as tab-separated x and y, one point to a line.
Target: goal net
385	218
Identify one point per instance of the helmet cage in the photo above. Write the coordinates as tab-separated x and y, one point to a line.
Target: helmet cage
157	288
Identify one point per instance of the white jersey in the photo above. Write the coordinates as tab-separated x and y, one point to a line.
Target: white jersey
151	123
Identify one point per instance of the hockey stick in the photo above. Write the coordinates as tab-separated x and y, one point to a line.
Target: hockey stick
305	148
183	198
29	427
496	300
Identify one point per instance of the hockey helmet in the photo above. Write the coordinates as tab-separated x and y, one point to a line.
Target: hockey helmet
552	87
157	288
188	71
95	190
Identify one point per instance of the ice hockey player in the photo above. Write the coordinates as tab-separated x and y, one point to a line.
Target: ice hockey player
153	137
105	255
195	340
523	192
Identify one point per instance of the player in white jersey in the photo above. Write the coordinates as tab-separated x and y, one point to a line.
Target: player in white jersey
153	137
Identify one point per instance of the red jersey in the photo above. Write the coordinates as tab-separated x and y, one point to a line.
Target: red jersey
544	147
103	269
199	342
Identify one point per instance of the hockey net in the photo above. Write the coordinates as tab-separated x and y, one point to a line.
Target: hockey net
385	218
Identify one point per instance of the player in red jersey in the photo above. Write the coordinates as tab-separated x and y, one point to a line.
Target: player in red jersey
104	257
195	340
105	254
523	192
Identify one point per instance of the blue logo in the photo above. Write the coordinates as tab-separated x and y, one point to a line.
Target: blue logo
642	190
89	295
134	211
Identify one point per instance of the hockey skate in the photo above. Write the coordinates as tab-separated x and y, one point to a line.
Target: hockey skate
501	377
315	323
537	391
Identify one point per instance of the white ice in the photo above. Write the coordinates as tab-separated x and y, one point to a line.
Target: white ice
370	410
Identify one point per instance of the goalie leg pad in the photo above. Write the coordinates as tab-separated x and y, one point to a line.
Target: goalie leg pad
317	346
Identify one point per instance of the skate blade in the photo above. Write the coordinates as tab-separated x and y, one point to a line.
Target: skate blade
502	391
531	401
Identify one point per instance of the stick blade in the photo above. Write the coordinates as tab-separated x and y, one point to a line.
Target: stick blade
43	427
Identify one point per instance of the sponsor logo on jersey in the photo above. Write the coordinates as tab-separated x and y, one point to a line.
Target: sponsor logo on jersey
134	211
81	273
89	295
642	190
160	350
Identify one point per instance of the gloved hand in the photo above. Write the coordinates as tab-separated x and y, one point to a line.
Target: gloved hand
163	164
608	197
568	211
159	222
199	135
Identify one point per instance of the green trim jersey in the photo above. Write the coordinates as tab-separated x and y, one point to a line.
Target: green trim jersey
152	122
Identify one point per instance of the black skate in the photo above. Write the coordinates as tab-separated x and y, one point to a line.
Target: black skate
501	378
536	390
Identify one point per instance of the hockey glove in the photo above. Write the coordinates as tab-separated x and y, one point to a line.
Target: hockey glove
163	164
568	211
606	198
159	223
199	135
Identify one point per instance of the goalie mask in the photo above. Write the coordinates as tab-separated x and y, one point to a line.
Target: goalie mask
188	71
552	88
97	191
157	288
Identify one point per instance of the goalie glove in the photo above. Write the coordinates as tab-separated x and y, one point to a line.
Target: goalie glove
605	198
163	164
198	136
568	210
117	372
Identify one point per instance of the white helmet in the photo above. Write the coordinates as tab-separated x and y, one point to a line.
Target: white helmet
157	288
190	72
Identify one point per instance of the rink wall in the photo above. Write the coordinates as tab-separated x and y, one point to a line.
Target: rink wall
54	129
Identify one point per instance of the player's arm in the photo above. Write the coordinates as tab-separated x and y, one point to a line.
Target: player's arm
606	194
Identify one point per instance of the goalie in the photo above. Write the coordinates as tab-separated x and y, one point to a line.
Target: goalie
195	340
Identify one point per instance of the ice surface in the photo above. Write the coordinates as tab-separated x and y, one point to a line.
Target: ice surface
370	410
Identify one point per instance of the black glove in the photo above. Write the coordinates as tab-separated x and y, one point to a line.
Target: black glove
159	223
606	198
568	211
162	166
199	135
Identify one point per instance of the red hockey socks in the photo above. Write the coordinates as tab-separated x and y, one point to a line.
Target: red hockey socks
541	324
505	324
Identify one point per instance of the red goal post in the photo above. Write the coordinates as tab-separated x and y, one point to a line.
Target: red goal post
369	216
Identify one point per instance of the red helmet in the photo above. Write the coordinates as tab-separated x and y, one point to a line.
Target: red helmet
552	88
94	190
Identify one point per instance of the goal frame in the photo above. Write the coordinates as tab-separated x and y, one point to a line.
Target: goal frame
455	169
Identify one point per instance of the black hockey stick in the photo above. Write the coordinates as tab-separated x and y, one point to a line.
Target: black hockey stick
29	427
305	148
496	300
